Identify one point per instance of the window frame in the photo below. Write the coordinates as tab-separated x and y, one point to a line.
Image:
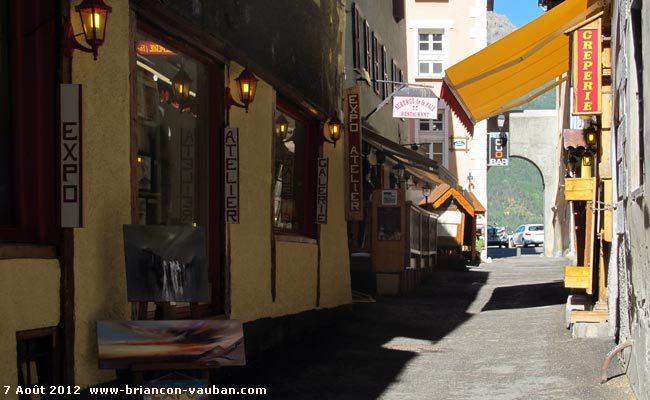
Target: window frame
307	219
430	56
35	183
215	225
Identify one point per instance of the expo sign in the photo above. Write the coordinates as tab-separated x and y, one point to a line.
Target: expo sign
586	69
354	200
70	155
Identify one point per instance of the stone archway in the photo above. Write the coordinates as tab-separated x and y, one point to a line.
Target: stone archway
534	136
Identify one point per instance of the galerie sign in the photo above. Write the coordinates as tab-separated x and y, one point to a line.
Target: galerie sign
415	107
70	138
354	192
321	191
586	69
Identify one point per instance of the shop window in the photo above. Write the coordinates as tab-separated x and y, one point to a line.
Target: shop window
28	96
177	151
295	173
37	362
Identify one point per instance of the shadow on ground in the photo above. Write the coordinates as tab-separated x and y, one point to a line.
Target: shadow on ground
527	296
354	359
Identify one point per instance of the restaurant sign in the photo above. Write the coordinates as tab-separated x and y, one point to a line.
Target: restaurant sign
70	161
354	164
231	170
415	107
321	191
586	69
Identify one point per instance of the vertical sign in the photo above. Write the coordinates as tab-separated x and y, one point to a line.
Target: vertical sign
231	170
70	158
321	191
354	200
498	149
586	69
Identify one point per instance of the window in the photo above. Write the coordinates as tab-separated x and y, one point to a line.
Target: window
358	39
27	185
385	91
434	132
367	36
376	64
431	53
295	173
178	154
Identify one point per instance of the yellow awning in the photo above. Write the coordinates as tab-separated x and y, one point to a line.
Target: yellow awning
517	68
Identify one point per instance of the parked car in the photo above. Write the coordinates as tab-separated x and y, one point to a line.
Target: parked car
529	234
497	236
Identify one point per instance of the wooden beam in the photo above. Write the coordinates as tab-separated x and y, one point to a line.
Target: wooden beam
589	316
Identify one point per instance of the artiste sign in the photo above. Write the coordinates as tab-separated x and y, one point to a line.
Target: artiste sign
586	69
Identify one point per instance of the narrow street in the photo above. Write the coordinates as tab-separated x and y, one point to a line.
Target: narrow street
496	331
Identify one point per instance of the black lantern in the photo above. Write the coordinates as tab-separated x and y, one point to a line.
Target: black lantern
247	83
181	83
281	127
426	192
334	129
587	159
94	15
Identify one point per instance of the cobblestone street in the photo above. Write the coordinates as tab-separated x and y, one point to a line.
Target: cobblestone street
496	331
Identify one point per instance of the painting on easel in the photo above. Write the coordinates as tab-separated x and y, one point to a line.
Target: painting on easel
165	263
122	344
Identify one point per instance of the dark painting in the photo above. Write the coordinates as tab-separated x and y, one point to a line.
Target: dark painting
165	263
122	344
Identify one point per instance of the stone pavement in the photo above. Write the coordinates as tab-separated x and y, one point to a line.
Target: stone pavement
496	331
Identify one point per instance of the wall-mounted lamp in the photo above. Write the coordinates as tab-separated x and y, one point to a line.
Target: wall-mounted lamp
247	84
571	165
501	120
181	83
94	15
587	159
334	130
426	192
590	136
398	171
281	127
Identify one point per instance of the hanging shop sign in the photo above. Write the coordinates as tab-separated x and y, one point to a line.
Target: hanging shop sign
70	156
498	152
415	107
321	191
354	192
586	69
231	170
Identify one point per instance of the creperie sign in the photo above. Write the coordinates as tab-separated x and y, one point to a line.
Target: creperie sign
586	69
354	203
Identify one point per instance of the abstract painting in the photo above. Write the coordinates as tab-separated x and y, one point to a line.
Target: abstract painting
121	344
165	263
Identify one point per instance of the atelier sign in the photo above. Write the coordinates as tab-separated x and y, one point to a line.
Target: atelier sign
231	170
70	155
354	203
586	69
321	191
498	149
